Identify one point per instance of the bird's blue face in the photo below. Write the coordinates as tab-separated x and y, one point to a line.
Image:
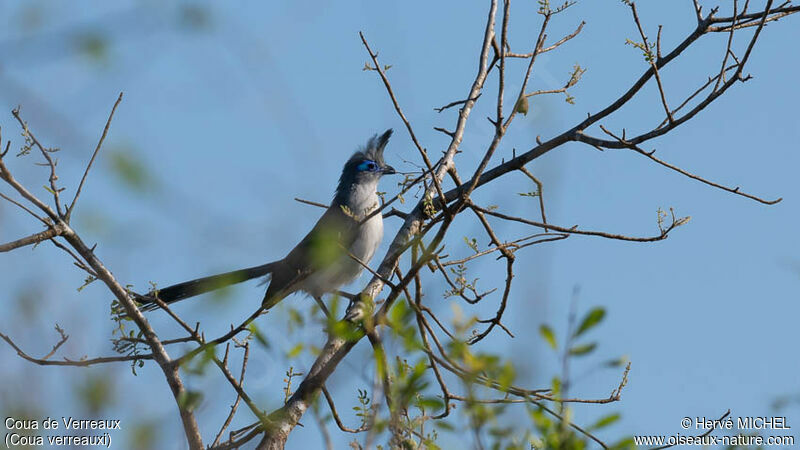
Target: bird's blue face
374	167
368	166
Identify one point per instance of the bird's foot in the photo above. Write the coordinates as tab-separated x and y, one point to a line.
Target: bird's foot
360	308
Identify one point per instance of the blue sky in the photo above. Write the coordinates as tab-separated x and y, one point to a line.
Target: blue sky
232	112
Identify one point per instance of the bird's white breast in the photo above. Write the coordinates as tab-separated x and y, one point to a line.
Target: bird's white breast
366	242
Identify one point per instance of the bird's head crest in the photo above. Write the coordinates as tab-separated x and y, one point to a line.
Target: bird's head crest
366	165
374	149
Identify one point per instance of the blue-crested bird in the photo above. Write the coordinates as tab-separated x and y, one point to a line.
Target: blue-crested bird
331	255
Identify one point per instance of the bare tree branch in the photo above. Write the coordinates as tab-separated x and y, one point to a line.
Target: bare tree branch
94	155
84	362
32	239
652	157
159	353
54	189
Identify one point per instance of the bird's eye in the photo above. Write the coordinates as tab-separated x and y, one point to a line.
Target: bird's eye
368	166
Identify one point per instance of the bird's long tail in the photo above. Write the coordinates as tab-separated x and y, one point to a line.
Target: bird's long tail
187	289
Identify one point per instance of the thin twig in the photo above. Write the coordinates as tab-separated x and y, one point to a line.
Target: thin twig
84	362
54	190
422	151
551	47
455	103
728	51
94	155
336	417
652	61
574	230
539	187
309	202
683	172
11	200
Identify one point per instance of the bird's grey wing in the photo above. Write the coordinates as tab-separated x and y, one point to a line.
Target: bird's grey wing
320	248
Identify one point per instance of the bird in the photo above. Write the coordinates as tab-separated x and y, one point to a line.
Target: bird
331	255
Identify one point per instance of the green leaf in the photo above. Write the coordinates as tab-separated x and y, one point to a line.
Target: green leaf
522	105
555	386
89	280
96	392
547	334
541	421
506	376
295	351
591	319
430	403
618	362
444	425
624	444
472	243
188	400
93	45
605	421
399	315
580	350
260	338
130	170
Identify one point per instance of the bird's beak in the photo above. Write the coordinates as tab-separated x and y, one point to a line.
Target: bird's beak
388	170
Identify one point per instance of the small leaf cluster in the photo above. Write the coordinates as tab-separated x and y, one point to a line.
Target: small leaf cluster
545	9
552	431
574	78
647	50
460	280
126	342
